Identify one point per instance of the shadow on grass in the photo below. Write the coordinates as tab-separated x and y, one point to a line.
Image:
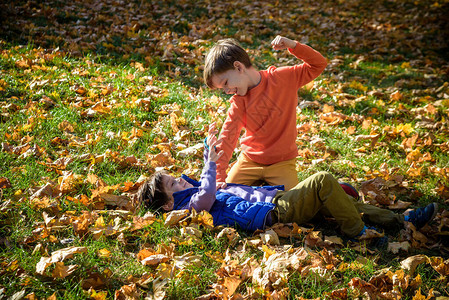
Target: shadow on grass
172	37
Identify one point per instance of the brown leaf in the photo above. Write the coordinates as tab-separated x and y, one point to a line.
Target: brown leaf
123	202
80	90
144	253
333	240
230	234
66	126
62	271
49	189
227	287
313	239
339	294
127	292
364	287
371	234
283	230
4	183
396	96
69	182
163	159
141	222
399	205
395	247
94	280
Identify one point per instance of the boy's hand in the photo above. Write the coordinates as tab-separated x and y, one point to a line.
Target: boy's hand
281	42
221	185
211	132
213	155
212	141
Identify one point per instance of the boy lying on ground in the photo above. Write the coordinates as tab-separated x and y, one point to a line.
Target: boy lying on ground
253	208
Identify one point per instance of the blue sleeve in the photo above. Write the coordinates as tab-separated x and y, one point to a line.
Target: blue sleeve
205	197
206	150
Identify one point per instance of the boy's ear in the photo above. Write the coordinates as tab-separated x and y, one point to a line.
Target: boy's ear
169	205
238	65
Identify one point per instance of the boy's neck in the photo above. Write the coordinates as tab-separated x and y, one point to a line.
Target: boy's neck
254	77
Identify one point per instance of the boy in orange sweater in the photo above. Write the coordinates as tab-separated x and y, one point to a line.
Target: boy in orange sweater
264	104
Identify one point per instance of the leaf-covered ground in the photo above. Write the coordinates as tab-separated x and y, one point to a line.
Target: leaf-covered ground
96	95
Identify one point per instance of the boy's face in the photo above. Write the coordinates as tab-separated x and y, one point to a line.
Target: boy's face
232	82
172	185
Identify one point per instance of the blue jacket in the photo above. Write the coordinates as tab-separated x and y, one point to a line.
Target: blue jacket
227	206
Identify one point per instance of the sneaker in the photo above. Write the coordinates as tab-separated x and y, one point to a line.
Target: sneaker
423	215
350	190
373	237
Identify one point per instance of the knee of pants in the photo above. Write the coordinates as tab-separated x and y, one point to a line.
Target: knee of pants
323	177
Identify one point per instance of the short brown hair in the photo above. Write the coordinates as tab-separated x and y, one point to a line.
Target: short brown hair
152	192
221	58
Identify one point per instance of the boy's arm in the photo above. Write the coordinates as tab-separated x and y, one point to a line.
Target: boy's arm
314	63
229	135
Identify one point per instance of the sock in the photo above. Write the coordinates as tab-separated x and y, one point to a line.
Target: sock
363	231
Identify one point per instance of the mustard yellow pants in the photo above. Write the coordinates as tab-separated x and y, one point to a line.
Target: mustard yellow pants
246	171
321	193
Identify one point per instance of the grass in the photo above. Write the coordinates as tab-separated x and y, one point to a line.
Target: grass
115	93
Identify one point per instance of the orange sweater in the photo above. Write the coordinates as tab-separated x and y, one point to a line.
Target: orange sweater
268	113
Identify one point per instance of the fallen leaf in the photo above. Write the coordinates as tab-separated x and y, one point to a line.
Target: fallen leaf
104	253
412	262
395	247
62	271
4	183
270	237
127	292
173	217
440	265
155	259
230	235
58	256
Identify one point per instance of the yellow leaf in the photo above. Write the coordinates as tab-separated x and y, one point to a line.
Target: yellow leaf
100	222
414	155
267	251
405	128
27	127
101	295
104	253
419	296
405	65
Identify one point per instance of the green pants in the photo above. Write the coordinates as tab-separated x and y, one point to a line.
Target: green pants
321	193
